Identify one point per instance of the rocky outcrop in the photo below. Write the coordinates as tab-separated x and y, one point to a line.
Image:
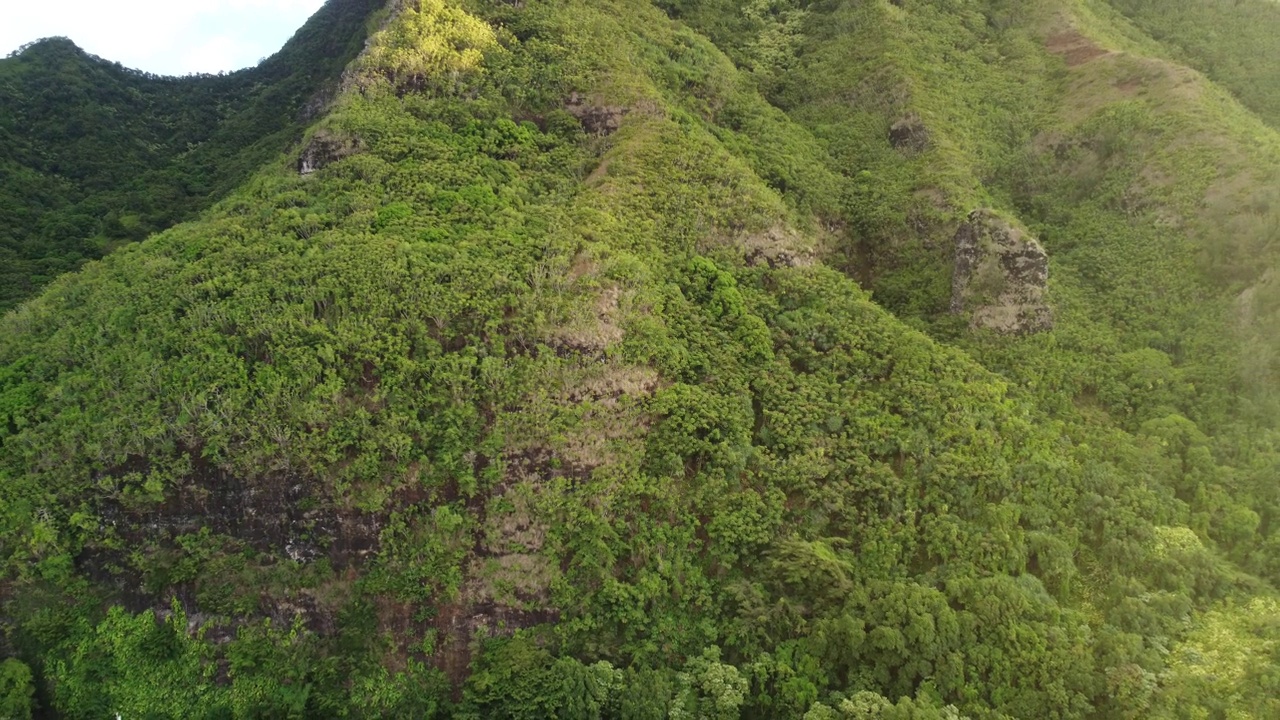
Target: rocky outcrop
279	516
776	247
319	104
1001	276
595	119
909	134
325	148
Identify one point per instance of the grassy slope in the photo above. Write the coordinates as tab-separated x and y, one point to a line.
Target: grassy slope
1233	43
552	381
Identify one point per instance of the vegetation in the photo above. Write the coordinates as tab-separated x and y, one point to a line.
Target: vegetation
1228	41
94	155
604	367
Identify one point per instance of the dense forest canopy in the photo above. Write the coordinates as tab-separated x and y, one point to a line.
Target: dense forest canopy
94	155
822	359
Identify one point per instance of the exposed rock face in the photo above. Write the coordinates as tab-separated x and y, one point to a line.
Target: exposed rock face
595	119
909	133
280	516
326	148
318	104
1001	274
776	247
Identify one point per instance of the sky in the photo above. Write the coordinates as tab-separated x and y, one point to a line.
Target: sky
166	37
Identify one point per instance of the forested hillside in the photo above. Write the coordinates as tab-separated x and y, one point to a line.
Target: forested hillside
94	155
826	359
1233	42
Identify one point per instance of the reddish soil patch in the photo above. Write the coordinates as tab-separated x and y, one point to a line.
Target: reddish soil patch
453	656
1075	48
1130	86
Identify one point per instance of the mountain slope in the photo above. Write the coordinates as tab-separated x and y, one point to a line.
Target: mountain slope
95	155
1233	43
549	389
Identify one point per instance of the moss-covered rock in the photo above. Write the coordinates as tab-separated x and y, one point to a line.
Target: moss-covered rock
1001	276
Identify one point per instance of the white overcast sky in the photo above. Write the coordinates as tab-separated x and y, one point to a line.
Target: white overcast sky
167	37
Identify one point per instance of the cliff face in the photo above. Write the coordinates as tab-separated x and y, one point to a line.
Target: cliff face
533	380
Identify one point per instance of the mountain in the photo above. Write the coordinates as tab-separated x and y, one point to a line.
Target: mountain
678	358
94	155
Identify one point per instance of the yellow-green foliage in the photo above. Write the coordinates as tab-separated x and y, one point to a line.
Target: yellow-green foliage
1232	647
428	43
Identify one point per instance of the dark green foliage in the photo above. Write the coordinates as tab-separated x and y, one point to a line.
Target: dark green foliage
517	679
96	155
16	691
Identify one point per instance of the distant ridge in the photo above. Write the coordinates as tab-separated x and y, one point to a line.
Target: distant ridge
95	155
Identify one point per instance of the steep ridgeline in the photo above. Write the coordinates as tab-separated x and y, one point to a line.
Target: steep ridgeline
539	380
1233	42
93	155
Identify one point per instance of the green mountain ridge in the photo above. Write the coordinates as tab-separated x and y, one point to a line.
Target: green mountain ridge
616	359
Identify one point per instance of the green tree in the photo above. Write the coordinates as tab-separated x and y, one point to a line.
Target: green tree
711	690
17	691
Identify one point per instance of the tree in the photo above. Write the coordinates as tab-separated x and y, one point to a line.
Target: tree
16	691
712	689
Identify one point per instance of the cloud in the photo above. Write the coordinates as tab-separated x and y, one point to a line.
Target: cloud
162	36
